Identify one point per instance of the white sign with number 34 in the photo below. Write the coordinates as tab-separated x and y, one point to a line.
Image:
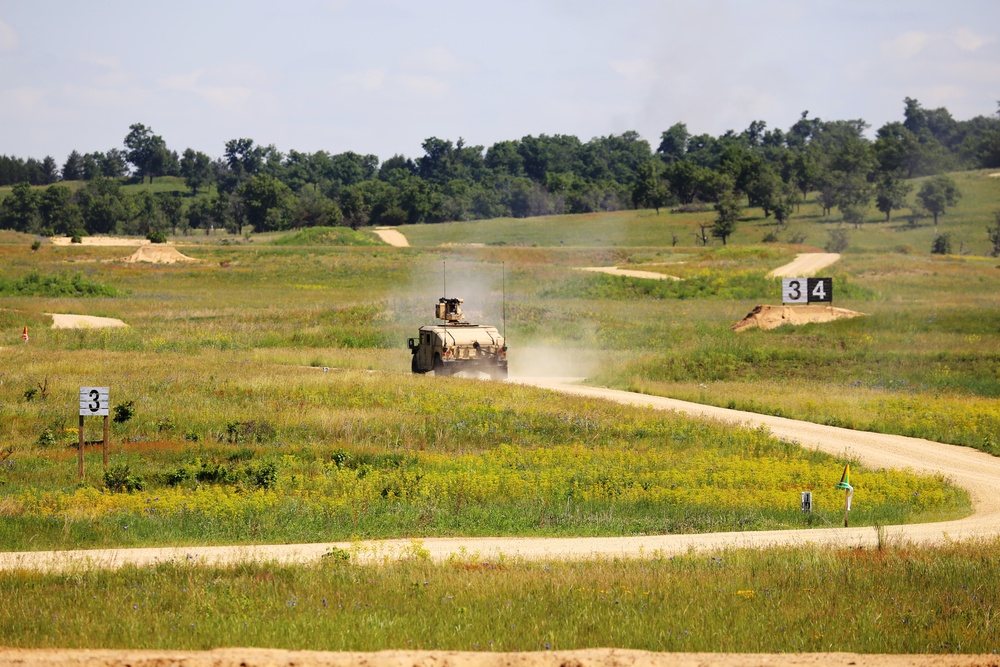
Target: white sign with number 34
807	290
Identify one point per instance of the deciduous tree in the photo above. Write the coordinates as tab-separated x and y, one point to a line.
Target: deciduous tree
19	209
196	168
727	215
890	194
146	151
937	194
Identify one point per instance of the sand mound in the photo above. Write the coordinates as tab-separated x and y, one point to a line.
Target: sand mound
392	236
158	254
65	321
631	273
772	317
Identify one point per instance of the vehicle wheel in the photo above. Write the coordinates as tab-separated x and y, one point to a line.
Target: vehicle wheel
439	367
414	367
499	374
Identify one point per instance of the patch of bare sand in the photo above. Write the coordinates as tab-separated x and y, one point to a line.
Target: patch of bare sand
631	273
392	236
805	265
772	317
996	175
67	321
100	241
158	254
593	657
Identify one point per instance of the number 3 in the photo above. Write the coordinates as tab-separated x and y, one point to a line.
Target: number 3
796	291
96	398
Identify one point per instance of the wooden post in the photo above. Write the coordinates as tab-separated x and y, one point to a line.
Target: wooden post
105	443
81	448
846	509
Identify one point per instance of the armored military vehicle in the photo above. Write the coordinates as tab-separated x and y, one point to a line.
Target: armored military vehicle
456	345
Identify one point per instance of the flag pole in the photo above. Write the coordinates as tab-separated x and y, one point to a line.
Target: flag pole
845	484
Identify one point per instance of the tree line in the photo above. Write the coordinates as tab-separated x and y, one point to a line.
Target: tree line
265	189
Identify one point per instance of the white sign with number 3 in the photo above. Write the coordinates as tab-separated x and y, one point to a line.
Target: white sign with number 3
794	290
94	401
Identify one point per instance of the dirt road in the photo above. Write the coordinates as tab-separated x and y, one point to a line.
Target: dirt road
805	265
973	470
595	657
631	273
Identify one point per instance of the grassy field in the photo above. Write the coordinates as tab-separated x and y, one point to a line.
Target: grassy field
237	434
893	600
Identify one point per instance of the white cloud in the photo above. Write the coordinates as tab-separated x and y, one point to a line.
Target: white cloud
435	59
25	103
224	97
967	40
369	79
425	85
109	71
8	38
908	44
635	69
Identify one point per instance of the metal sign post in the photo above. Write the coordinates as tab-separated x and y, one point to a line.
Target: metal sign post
94	403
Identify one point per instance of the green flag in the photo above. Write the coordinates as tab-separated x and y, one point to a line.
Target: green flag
845	480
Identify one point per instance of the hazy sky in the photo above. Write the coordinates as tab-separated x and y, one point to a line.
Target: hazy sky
381	76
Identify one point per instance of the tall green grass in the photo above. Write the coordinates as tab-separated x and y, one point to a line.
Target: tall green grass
892	601
243	451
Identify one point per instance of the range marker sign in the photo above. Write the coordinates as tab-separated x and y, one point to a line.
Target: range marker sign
807	290
94	401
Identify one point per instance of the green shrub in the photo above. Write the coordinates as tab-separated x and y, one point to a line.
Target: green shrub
47	438
124	412
34	283
119	478
838	241
239	432
941	245
264	475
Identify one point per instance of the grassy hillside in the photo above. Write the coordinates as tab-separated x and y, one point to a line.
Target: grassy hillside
967	224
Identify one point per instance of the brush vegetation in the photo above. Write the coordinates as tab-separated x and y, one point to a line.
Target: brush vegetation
892	600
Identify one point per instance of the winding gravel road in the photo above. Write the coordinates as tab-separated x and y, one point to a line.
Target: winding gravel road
805	264
977	472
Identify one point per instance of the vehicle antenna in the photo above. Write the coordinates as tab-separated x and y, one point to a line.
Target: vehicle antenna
503	288
444	279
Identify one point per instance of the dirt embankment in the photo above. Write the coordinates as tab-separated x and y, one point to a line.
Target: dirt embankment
158	254
392	236
772	317
68	321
